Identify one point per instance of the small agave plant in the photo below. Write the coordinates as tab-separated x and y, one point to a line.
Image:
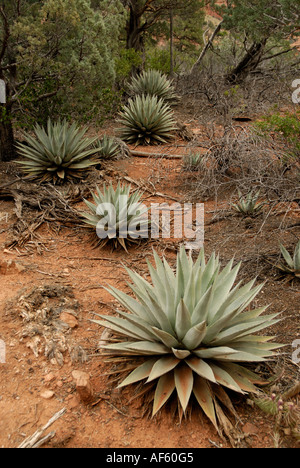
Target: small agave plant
117	216
58	152
153	83
194	330
147	120
192	162
291	266
249	205
111	148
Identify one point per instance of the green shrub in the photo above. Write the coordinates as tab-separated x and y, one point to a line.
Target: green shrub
286	129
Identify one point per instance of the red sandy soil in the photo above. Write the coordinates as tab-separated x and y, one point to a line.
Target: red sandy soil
66	258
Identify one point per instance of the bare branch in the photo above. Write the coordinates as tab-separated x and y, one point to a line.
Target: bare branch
207	46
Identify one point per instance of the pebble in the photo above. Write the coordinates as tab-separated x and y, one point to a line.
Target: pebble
49	377
69	319
47	394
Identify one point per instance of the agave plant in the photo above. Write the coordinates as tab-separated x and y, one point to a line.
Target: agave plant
111	148
194	330
153	83
118	216
57	152
147	120
249	205
292	263
192	161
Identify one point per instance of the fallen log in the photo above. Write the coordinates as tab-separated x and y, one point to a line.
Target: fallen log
141	154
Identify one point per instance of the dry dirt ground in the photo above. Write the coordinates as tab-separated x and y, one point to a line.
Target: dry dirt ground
58	272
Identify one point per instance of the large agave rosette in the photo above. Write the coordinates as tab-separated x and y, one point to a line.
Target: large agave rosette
194	329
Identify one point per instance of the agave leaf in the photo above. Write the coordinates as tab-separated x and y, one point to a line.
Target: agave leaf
194	336
30	153
61	174
244	356
235	299
208	275
166	338
184	267
232	315
224	378
221	395
204	396
164	389
297	258
157	283
216	353
130	326
183	320
133	305
82	165
189	297
148	347
200	312
142	324
239	374
184	384
119	330
139	348
181	353
244	329
287	256
163	366
201	368
159	313
140	373
222	291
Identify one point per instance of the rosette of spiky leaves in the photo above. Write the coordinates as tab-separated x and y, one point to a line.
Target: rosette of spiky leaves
59	151
111	148
147	120
249	205
118	216
291	265
153	83
194	329
192	162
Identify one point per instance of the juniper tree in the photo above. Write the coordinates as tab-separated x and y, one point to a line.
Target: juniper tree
259	21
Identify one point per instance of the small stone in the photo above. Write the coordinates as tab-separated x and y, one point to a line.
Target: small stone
49	377
47	394
69	319
250	429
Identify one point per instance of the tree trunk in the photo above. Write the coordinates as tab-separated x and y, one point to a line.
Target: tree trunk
249	62
7	144
134	32
171	43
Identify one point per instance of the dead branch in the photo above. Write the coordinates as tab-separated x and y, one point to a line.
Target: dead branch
141	154
36	439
